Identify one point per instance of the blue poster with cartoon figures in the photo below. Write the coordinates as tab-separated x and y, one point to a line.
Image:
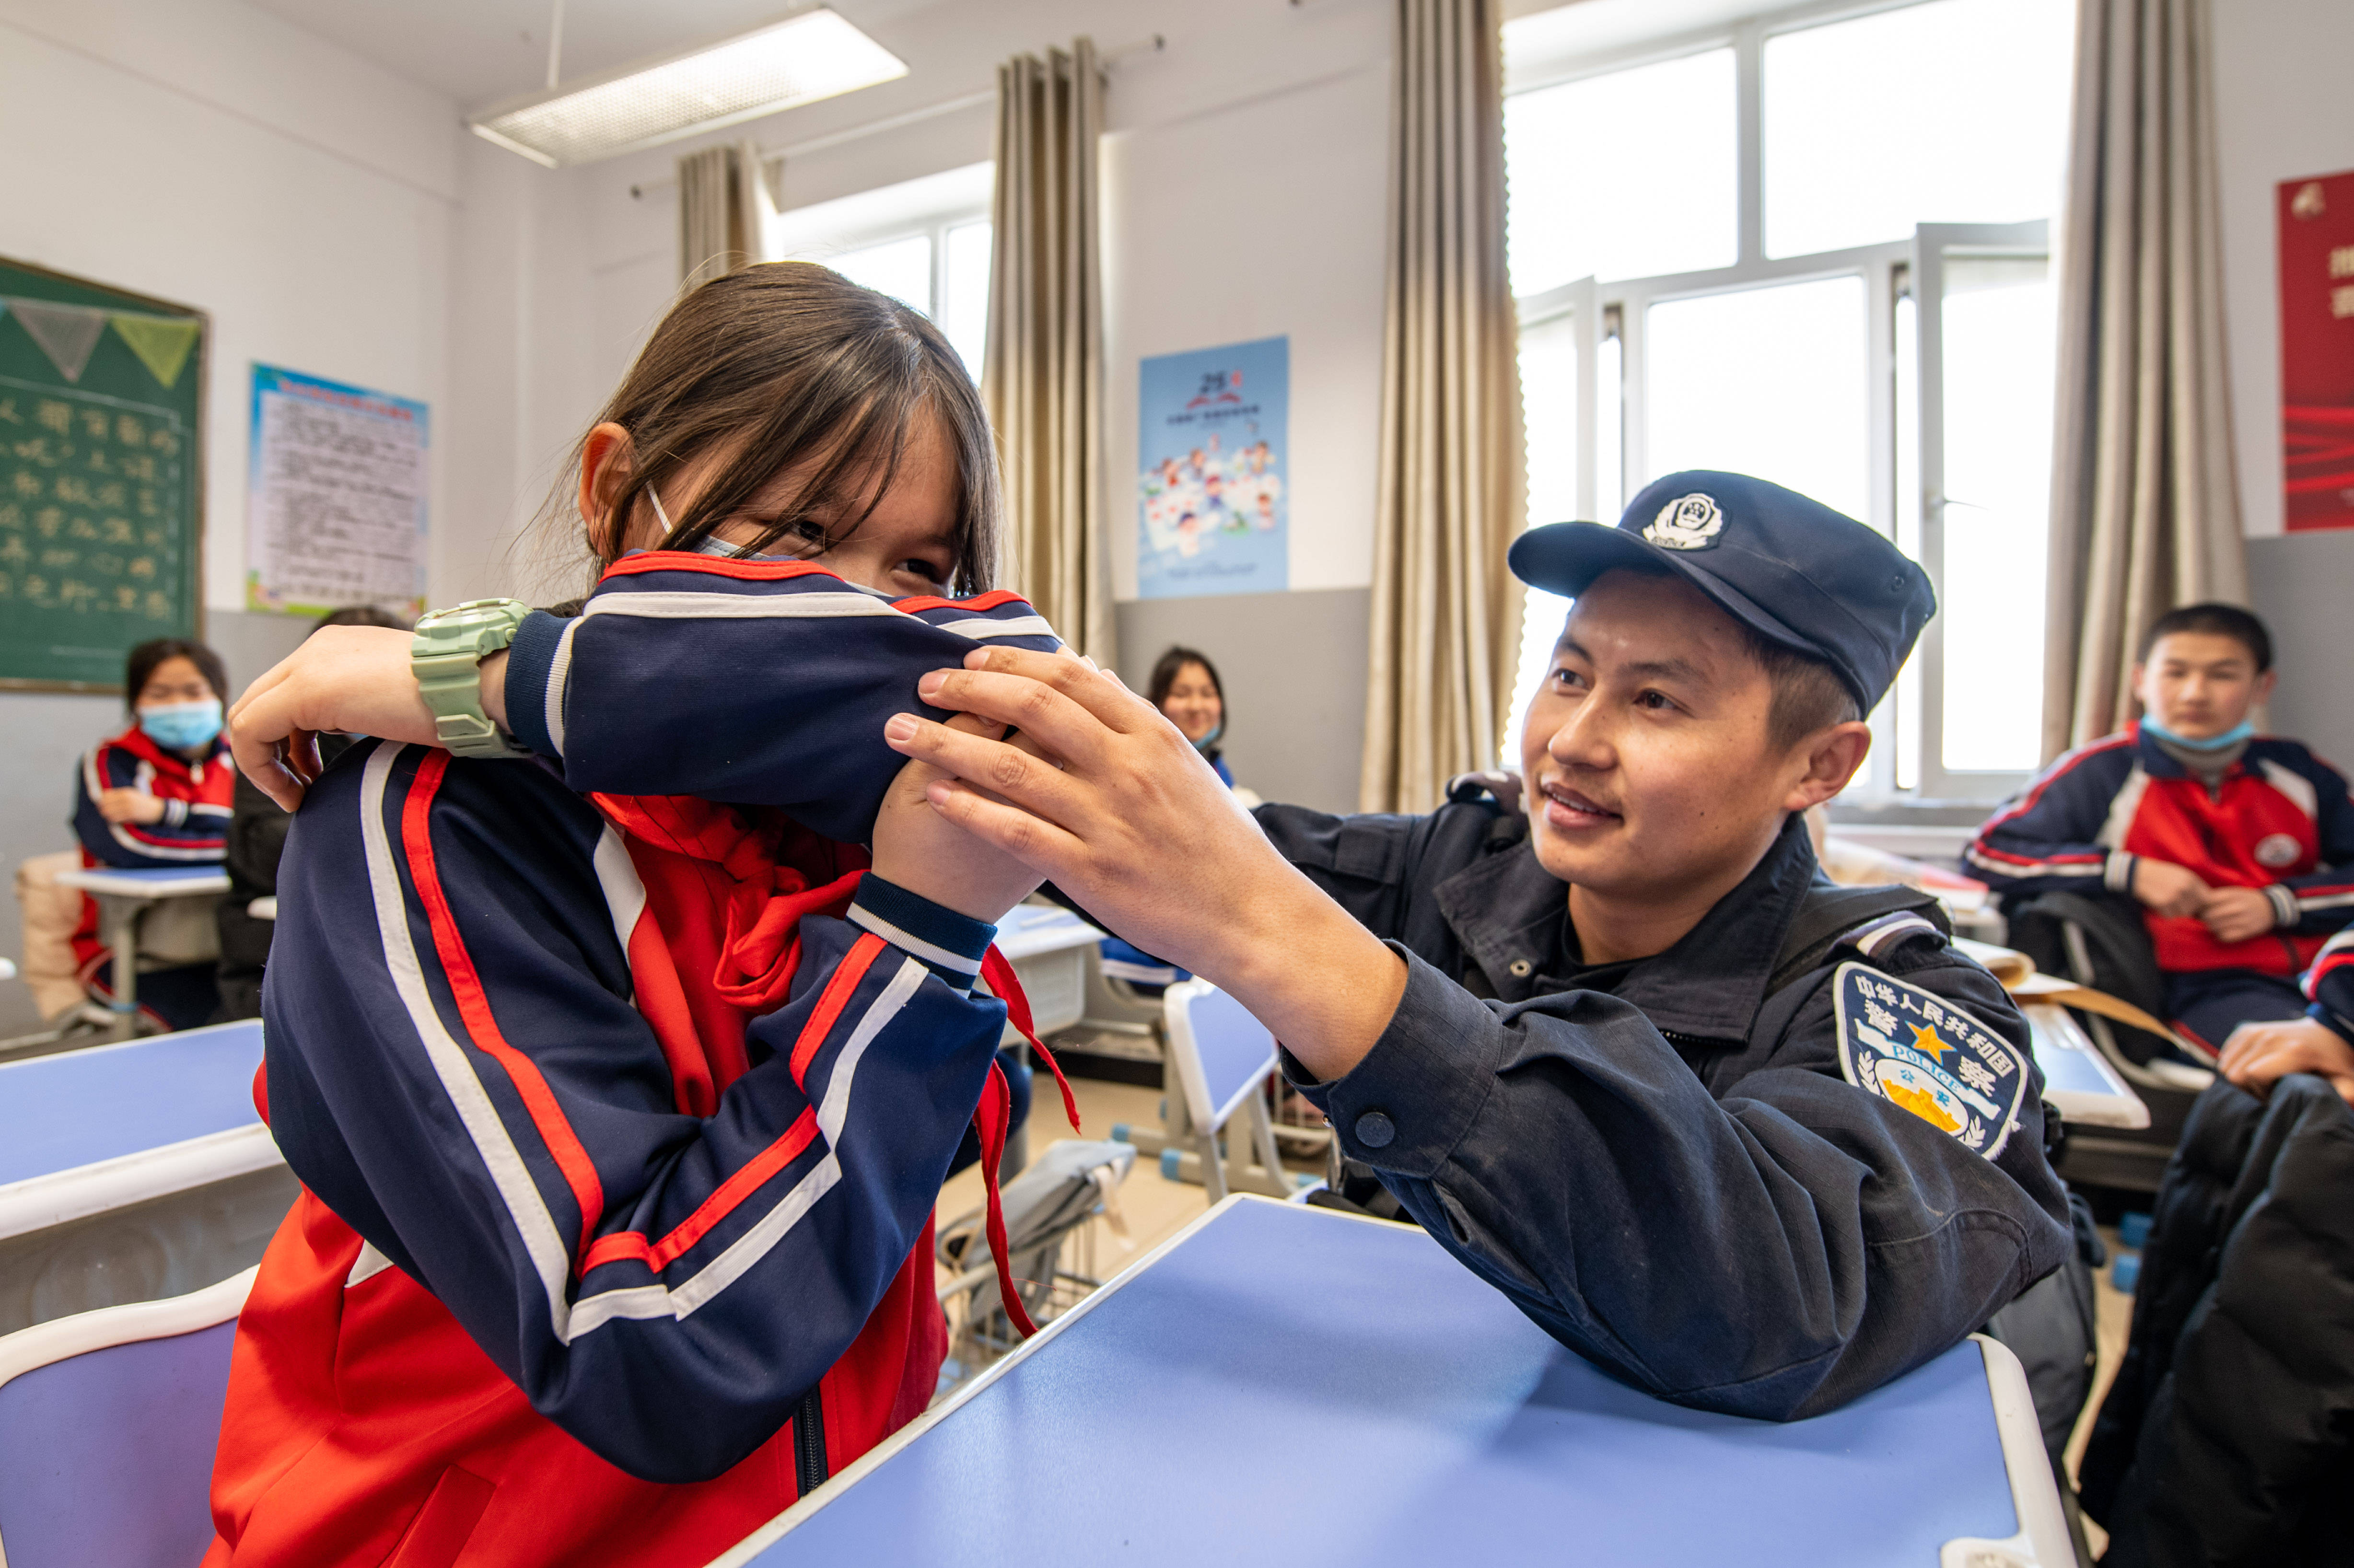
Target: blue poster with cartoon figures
1210	503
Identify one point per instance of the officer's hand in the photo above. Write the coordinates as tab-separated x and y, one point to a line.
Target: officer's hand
930	856
2167	888
128	805
2259	1055
1135	826
2238	913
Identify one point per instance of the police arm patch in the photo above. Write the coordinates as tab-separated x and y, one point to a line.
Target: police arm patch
1926	1054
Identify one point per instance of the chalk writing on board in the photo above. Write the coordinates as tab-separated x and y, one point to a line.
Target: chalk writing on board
337	496
90	504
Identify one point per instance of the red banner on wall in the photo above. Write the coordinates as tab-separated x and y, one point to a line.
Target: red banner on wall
2316	293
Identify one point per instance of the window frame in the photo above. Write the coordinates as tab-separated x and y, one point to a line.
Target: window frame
1891	270
933	224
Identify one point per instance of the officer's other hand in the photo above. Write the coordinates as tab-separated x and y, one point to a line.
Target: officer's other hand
2171	890
128	805
2238	913
2259	1055
928	855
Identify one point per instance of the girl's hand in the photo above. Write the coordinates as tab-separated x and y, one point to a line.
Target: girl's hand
128	805
928	855
1135	826
348	678
2259	1055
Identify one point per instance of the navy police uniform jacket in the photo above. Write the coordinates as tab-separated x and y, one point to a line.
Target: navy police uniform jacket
1754	1199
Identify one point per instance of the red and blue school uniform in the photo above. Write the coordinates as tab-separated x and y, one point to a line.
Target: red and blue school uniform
620	1112
2277	818
193	831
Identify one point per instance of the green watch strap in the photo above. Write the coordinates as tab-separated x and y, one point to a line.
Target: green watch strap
446	652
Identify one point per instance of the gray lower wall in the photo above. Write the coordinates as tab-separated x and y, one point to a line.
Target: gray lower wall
47	734
2302	583
1293	665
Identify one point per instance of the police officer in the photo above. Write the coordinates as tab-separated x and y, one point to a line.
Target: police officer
1754	1143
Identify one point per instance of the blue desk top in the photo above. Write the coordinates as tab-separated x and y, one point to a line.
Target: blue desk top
1311	1389
77	1107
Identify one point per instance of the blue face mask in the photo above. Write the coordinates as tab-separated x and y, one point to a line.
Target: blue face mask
182	726
1211	739
2239	732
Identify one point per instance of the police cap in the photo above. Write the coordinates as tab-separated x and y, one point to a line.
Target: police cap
1787	567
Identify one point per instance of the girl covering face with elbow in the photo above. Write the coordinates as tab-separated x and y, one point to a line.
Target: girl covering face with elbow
157	795
621	1112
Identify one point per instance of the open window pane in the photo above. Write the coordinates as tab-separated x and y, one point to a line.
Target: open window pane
899	268
1953	111
1549	410
1767	381
1999	319
964	290
1623	176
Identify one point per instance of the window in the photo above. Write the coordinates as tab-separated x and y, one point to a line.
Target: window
1815	251
926	241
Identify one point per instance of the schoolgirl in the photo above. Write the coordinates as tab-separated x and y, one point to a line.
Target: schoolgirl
155	796
621	1111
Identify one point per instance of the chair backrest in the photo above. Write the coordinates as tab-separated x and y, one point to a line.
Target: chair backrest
1221	1052
108	1421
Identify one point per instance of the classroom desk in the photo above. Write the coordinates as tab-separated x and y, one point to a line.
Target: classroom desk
1047	947
122	896
1286	1385
2077	1077
133	1171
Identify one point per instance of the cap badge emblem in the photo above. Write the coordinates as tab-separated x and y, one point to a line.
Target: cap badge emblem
1690	523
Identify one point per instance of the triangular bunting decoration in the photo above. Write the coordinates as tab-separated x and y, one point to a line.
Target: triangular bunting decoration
162	342
66	332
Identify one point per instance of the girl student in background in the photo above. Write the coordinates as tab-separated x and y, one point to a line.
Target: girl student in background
1186	689
620	1113
157	795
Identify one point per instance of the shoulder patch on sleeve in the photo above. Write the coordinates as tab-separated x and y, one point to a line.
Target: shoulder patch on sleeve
1929	1055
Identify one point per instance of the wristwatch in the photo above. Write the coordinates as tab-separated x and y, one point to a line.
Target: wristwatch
447	653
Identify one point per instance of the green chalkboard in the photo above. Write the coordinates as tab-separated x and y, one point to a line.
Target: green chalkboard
102	504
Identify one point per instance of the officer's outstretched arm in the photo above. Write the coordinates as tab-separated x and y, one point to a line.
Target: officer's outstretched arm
1772	1256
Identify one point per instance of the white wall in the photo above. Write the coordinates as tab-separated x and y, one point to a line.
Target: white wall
204	152
2281	113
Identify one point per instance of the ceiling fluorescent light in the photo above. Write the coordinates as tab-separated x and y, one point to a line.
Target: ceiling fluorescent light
809	56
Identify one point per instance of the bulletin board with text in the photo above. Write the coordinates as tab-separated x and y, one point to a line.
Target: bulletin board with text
102	505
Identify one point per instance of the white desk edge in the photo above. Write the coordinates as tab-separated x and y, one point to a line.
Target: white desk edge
1037	938
101	879
38	1202
2120	1107
2042	1540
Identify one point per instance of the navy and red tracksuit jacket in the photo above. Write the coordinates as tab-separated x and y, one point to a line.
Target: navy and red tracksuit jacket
620	1113
193	831
2279	820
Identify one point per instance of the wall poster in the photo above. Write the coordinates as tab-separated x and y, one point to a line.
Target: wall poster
335	504
2316	292
1210	446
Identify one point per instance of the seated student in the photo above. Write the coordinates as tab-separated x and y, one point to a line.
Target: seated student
1754	1143
256	837
620	1112
2240	846
158	795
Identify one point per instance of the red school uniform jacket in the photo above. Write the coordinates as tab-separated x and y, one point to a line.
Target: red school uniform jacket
195	828
2279	820
620	1120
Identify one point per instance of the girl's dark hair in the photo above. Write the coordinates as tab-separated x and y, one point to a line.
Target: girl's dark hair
781	362
143	659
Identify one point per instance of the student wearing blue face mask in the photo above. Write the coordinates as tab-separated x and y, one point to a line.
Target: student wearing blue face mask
2239	846
158	795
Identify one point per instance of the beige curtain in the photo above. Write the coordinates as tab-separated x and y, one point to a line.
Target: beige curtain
2145	498
1445	610
723	210
1042	376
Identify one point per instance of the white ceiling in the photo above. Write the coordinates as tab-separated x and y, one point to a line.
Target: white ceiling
479	51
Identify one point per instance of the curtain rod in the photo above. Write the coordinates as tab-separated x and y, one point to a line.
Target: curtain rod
1151	46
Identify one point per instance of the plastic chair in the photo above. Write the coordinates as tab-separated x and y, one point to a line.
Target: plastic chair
1222	1058
108	1421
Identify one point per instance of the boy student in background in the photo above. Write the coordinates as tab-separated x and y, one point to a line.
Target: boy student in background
2240	847
256	837
620	1113
156	796
1755	1143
